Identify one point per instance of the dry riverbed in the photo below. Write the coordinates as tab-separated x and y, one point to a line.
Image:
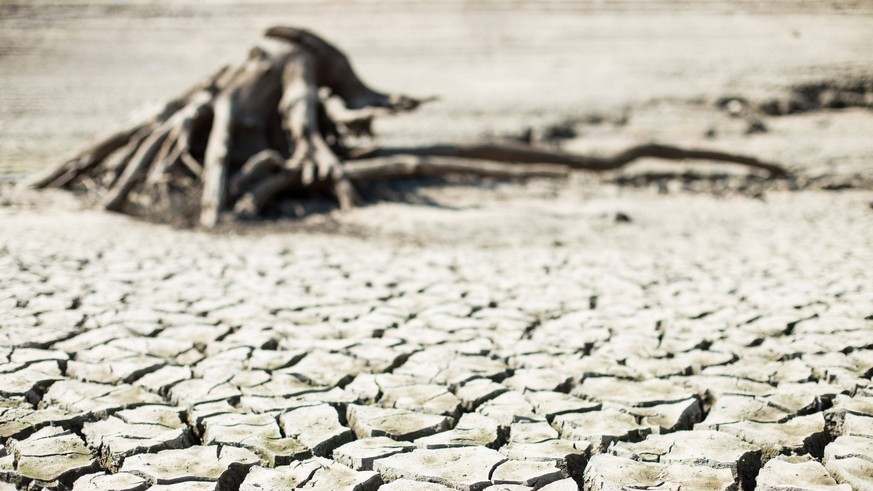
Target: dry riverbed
664	326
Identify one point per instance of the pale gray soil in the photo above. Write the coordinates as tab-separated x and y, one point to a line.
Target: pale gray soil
707	331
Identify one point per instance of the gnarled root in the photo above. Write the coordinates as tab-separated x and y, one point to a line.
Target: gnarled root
276	123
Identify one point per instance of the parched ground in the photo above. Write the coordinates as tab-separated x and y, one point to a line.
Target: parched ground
654	328
689	346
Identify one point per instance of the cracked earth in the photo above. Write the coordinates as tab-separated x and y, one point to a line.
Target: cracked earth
712	343
626	332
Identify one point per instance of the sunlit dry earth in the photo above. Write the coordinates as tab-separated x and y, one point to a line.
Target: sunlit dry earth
678	326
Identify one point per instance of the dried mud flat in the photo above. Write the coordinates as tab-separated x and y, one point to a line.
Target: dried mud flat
628	331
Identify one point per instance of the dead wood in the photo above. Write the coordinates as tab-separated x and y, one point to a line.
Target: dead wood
277	125
512	152
413	165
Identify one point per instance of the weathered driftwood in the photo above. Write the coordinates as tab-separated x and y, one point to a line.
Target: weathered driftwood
275	124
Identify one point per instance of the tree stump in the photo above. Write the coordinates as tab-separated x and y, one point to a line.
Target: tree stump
277	124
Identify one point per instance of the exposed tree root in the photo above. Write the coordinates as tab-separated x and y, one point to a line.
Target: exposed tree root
509	152
275	125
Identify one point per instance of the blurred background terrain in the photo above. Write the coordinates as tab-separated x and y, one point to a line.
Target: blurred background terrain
617	72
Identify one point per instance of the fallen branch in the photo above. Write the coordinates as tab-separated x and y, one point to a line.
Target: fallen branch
511	152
